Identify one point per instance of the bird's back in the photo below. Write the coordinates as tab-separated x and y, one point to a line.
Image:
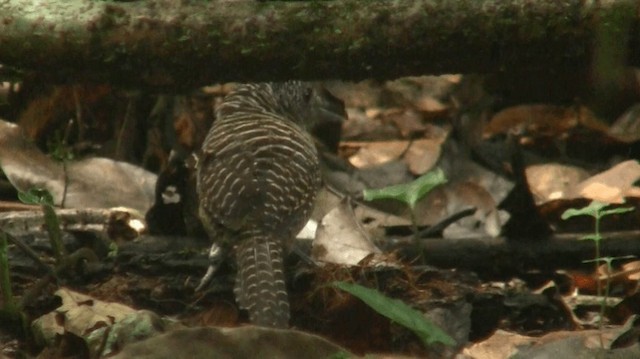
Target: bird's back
257	179
263	173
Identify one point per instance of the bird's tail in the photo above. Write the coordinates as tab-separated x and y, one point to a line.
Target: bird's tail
260	283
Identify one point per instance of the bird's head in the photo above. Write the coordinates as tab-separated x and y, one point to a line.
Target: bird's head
308	104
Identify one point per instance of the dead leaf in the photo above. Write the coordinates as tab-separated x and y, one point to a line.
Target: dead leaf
430	104
408	122
561	344
226	343
425	93
423	155
88	183
610	186
632	269
456	197
552	181
420	155
115	223
365	125
340	239
627	127
501	344
79	314
375	153
363	94
103	326
372	218
542	120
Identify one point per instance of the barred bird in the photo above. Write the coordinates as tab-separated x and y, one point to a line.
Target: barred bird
257	181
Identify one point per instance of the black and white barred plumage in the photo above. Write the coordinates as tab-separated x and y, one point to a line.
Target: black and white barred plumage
257	180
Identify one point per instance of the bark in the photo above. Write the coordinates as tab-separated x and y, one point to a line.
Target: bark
166	43
161	271
489	257
498	257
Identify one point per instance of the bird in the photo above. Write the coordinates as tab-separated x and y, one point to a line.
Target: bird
257	178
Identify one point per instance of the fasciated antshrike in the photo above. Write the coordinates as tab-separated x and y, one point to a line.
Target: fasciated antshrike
257	181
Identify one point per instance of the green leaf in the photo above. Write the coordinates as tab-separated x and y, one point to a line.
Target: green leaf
36	196
8	301
399	312
52	224
595	209
42	197
28	198
618	210
409	193
592	237
113	250
591	210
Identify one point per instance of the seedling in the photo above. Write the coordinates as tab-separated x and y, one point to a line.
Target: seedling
42	197
597	210
59	150
9	305
409	193
10	311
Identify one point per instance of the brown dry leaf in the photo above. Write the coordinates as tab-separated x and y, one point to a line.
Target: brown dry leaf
340	239
419	155
245	342
451	198
541	119
365	125
364	94
627	127
430	104
61	103
407	121
375	153
191	121
632	269
426	93
116	223
79	314
103	326
612	185
561	344
551	181
373	218
423	155
88	183
501	344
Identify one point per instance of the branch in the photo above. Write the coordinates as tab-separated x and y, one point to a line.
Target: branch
166	43
498	257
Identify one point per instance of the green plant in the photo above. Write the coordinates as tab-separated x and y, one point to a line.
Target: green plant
11	312
42	197
409	193
399	312
58	148
9	304
597	210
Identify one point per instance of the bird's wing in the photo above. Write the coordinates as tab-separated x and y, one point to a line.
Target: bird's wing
229	189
